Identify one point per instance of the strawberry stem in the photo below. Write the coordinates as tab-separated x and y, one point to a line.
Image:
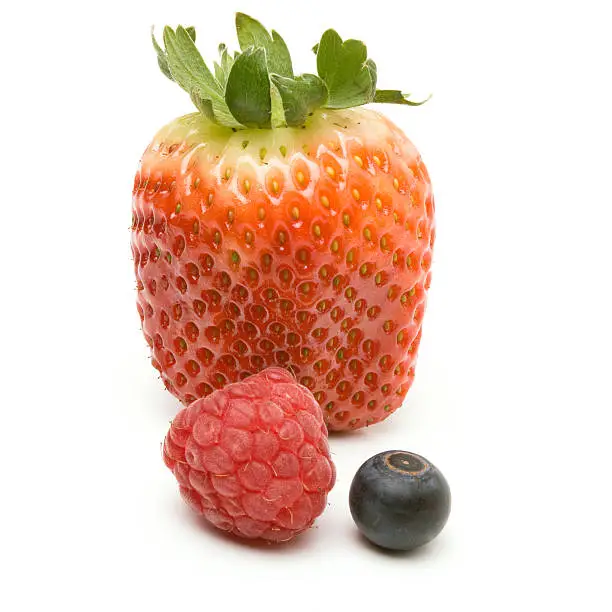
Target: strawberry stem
256	87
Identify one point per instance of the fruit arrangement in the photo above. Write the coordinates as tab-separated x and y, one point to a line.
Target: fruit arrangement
282	238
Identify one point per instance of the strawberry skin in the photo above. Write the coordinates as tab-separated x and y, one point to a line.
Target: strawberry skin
307	248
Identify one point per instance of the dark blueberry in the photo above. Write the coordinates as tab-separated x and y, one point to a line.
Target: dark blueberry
399	500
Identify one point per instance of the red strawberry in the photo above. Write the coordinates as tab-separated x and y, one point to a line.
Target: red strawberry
277	227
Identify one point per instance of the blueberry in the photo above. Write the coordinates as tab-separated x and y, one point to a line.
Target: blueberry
399	500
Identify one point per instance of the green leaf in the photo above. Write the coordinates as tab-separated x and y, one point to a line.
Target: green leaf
301	96
203	105
280	61
227	61
189	70
248	90
186	63
373	70
278	112
162	60
256	88
394	96
348	74
224	66
252	34
219	75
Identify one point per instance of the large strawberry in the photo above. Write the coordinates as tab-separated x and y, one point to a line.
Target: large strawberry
280	225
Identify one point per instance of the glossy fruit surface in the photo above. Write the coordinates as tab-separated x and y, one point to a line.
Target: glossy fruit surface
304	248
399	500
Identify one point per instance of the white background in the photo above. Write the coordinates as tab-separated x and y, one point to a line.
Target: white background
512	396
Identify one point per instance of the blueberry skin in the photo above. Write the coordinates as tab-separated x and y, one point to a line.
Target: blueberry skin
399	500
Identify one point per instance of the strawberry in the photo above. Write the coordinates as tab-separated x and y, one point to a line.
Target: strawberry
282	225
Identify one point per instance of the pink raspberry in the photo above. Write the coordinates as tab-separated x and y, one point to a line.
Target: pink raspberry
253	458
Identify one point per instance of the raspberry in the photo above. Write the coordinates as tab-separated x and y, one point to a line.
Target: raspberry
253	457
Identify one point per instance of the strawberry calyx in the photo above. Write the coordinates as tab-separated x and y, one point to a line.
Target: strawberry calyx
256	87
